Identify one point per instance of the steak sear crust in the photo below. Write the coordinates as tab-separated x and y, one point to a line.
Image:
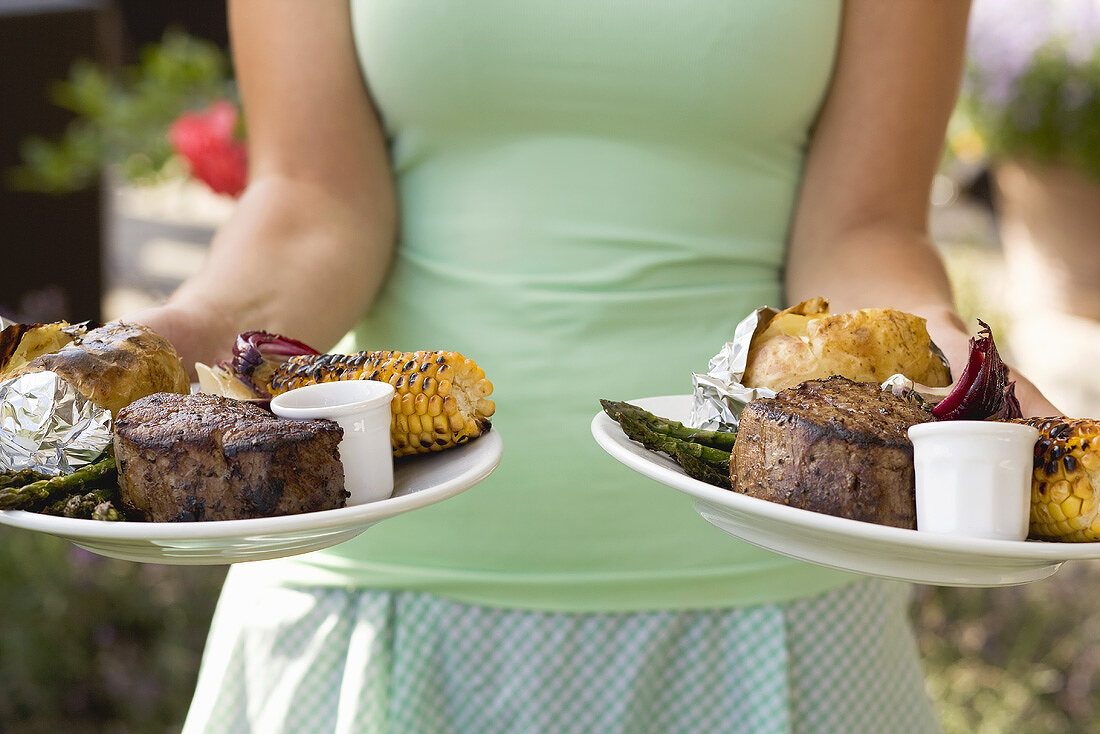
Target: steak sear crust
205	457
832	446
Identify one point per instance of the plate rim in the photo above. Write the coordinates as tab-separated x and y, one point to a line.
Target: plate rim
489	445
609	435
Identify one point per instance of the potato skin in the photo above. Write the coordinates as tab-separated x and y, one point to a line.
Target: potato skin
116	364
868	345
21	343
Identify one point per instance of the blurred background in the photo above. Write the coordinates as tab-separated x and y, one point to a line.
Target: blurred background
121	149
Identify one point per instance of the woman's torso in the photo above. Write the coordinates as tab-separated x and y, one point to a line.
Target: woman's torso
592	195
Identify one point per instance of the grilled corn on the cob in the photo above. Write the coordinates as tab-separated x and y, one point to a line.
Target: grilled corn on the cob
441	399
1065	502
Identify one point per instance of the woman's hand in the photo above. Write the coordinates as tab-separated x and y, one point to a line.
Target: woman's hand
198	334
950	335
1032	402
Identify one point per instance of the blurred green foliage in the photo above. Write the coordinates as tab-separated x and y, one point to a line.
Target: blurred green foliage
122	118
976	282
91	644
1020	659
1053	116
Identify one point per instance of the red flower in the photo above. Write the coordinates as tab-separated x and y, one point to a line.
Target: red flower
206	139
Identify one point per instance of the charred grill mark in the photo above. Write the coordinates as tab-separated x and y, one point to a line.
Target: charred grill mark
202	457
194	510
832	446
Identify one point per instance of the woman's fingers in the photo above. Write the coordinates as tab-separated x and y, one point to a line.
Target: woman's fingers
1032	402
197	334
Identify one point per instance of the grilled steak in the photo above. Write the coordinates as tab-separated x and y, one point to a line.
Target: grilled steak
205	457
832	446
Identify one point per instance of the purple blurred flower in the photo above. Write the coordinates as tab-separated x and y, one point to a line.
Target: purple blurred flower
104	635
83	559
1005	36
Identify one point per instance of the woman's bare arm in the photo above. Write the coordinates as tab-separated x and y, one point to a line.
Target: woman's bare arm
860	234
308	244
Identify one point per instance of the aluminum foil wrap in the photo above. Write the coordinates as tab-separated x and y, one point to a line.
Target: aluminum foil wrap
718	397
903	387
5	323
47	426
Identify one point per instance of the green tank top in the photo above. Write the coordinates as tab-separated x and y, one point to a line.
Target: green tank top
592	195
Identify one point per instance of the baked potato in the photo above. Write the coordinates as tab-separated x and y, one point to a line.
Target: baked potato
21	343
112	365
806	342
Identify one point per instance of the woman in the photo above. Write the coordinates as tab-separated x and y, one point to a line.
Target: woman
585	198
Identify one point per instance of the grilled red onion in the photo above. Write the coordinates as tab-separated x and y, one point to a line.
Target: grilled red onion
257	353
983	390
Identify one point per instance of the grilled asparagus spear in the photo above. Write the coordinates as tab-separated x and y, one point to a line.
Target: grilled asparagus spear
715	439
106	511
701	454
19	478
43	491
95	505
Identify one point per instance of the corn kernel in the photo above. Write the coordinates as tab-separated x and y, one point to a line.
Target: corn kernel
1059	491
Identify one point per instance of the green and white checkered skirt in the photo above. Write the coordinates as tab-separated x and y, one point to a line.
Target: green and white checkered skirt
332	659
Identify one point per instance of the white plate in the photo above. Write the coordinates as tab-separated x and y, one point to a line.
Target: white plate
835	542
418	482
